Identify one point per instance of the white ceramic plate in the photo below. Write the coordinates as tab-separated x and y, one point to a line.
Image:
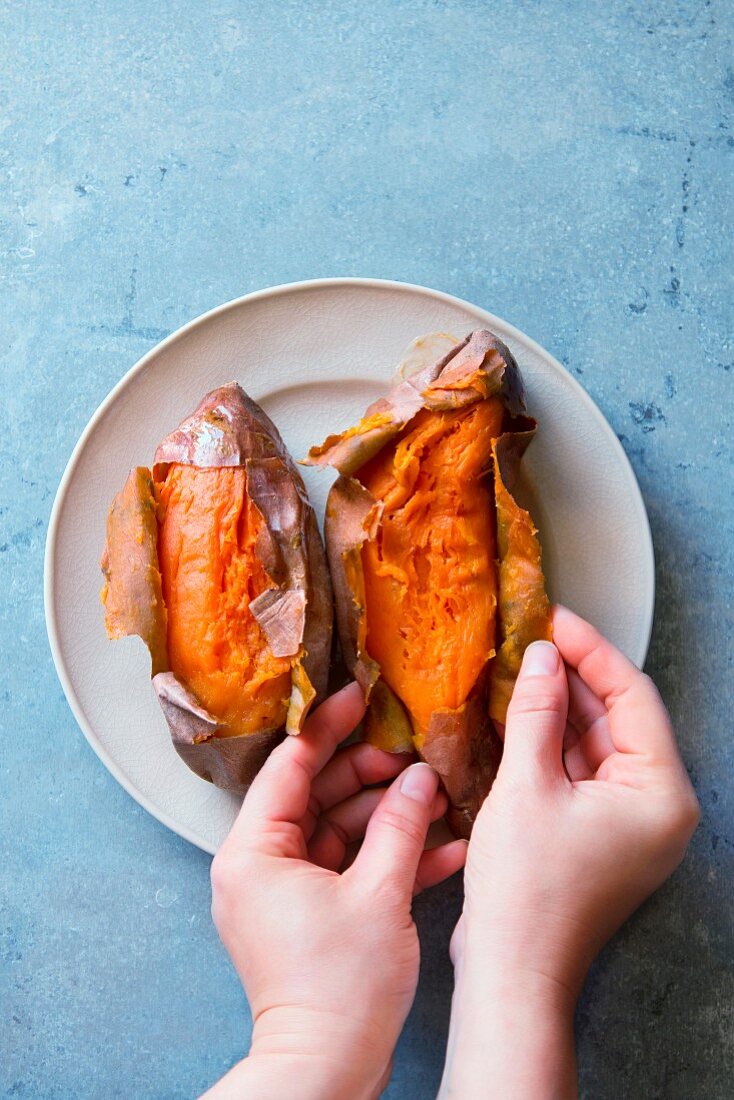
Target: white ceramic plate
314	354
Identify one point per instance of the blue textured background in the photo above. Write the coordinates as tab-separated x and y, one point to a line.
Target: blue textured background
567	165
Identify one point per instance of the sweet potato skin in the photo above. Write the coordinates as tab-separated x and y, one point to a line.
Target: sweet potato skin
524	608
228	429
462	744
135	606
228	762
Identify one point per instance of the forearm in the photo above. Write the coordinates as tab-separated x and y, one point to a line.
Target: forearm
511	1034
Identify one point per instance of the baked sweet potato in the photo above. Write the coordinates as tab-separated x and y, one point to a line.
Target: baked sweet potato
436	568
214	558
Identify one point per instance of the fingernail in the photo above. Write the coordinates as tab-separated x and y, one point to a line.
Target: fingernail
420	783
541	659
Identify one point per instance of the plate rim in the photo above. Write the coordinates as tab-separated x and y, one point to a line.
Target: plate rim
49	586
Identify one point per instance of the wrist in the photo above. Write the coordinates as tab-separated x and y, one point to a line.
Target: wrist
331	1056
510	1025
529	946
493	992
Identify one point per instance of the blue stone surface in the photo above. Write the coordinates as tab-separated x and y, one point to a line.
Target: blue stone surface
566	165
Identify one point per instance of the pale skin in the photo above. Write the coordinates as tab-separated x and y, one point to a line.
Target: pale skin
590	812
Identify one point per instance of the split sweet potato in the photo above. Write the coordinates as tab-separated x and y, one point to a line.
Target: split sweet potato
214	558
436	568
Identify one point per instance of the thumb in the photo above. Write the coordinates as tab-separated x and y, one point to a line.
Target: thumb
536	717
396	834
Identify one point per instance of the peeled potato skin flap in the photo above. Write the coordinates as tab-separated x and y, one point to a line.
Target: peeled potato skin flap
135	607
227	584
436	567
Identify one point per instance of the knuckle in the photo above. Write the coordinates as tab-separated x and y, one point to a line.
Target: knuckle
675	821
609	771
331	822
685	815
314	808
399	823
226	870
694	812
227	873
646	689
647	683
537	701
220	874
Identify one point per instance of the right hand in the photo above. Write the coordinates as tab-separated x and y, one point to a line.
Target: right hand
561	855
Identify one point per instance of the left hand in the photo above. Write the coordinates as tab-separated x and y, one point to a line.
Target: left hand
329	960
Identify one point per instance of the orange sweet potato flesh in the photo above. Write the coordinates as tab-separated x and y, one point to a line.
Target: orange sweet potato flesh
206	549
430	574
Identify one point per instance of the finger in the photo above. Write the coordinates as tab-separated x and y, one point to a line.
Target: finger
336	717
280	791
340	826
588	717
439	864
638	721
396	834
606	669
536	718
575	763
346	823
348	771
584	707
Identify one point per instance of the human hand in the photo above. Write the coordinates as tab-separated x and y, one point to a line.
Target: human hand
329	961
560	856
